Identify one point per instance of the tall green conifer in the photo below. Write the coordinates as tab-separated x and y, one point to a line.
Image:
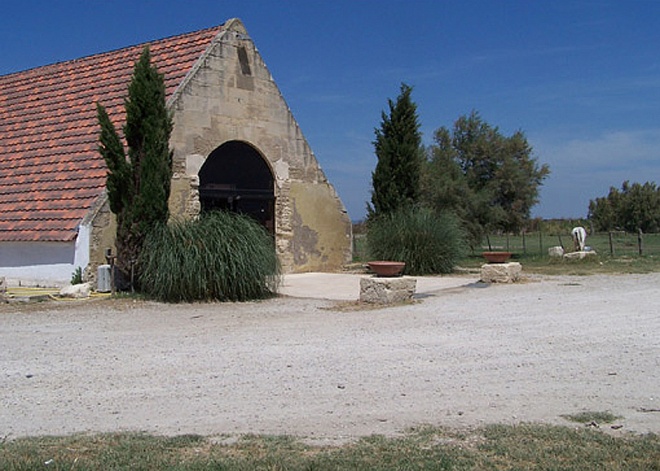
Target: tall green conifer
398	146
138	187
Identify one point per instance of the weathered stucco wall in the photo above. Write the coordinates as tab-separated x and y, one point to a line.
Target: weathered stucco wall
103	231
319	227
37	263
45	263
231	96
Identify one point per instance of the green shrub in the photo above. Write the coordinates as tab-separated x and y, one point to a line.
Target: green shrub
77	276
221	256
426	242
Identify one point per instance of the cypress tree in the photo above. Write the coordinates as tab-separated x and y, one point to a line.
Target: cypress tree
398	147
138	187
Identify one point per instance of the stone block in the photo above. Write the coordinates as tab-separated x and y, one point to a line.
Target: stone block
76	291
501	272
580	255
556	252
376	290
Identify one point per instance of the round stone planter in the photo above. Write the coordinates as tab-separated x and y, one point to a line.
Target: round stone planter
384	269
497	257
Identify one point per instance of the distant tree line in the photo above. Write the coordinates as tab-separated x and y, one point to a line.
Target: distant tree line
634	207
486	180
427	202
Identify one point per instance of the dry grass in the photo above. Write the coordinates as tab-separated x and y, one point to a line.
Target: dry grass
496	447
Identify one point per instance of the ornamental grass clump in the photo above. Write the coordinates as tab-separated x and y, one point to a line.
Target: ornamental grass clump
220	257
426	242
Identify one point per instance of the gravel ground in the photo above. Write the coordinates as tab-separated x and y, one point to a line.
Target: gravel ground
461	357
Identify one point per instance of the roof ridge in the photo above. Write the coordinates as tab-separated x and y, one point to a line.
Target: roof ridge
115	51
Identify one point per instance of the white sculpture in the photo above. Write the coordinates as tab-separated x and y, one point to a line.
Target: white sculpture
579	237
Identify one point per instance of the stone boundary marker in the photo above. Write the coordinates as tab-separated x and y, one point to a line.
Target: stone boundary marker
387	290
501	272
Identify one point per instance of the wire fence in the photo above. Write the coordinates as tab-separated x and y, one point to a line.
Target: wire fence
615	243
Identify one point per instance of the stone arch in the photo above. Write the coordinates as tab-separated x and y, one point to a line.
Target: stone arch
236	177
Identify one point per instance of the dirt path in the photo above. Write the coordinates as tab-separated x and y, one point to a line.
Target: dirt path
460	357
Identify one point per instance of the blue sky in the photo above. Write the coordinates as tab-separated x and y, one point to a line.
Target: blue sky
580	78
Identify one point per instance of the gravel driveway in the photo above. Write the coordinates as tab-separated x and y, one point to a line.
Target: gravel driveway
460	356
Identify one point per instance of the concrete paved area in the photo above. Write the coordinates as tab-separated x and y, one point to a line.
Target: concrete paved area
346	286
328	286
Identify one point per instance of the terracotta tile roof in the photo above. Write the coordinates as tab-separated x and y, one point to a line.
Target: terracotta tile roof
50	170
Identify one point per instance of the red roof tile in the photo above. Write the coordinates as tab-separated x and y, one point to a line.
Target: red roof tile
50	170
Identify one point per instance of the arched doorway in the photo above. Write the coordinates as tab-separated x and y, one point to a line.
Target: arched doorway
235	177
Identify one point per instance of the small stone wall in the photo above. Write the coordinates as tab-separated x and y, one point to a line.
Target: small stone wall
376	290
580	255
501	272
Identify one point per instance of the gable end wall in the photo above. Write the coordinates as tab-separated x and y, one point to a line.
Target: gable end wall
231	96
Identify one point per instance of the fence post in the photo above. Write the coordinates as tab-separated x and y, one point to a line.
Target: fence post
540	243
611	245
507	241
524	241
640	242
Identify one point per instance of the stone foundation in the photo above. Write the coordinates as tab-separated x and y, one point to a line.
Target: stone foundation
501	272
376	290
556	252
580	255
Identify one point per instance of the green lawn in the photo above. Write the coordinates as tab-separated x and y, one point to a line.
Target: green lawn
617	244
625	259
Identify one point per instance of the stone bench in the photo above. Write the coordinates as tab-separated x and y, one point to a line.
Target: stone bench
501	272
387	290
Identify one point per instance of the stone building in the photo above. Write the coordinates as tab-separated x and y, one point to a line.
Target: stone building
236	146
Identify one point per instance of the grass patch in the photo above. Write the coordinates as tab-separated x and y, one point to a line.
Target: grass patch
592	416
494	447
553	447
623	244
603	265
